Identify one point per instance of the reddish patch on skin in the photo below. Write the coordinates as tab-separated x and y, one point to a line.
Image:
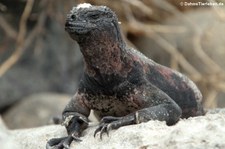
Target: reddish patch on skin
82	103
137	100
136	58
166	73
183	85
134	100
146	68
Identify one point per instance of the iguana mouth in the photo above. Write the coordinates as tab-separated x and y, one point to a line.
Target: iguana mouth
79	28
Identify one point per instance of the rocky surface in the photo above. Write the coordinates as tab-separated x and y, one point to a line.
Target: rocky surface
6	139
36	110
198	132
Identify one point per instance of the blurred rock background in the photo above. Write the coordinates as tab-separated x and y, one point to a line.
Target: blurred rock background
40	66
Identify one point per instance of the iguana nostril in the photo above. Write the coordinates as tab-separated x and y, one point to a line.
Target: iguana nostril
67	24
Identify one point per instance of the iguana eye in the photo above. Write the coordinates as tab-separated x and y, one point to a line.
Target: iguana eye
94	16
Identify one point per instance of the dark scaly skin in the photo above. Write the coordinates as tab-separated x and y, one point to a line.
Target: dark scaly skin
120	84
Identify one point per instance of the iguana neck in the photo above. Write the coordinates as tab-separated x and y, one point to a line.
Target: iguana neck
104	53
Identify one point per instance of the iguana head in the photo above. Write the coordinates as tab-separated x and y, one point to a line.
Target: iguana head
86	19
97	32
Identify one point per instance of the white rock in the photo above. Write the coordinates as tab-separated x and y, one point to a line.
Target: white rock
36	138
198	132
6	140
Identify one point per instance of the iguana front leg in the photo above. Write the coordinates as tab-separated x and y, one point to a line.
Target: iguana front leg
75	119
157	106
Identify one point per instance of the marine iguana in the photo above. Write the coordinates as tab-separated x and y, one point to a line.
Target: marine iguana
120	84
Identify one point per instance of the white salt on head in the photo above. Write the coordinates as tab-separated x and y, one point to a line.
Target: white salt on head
84	5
